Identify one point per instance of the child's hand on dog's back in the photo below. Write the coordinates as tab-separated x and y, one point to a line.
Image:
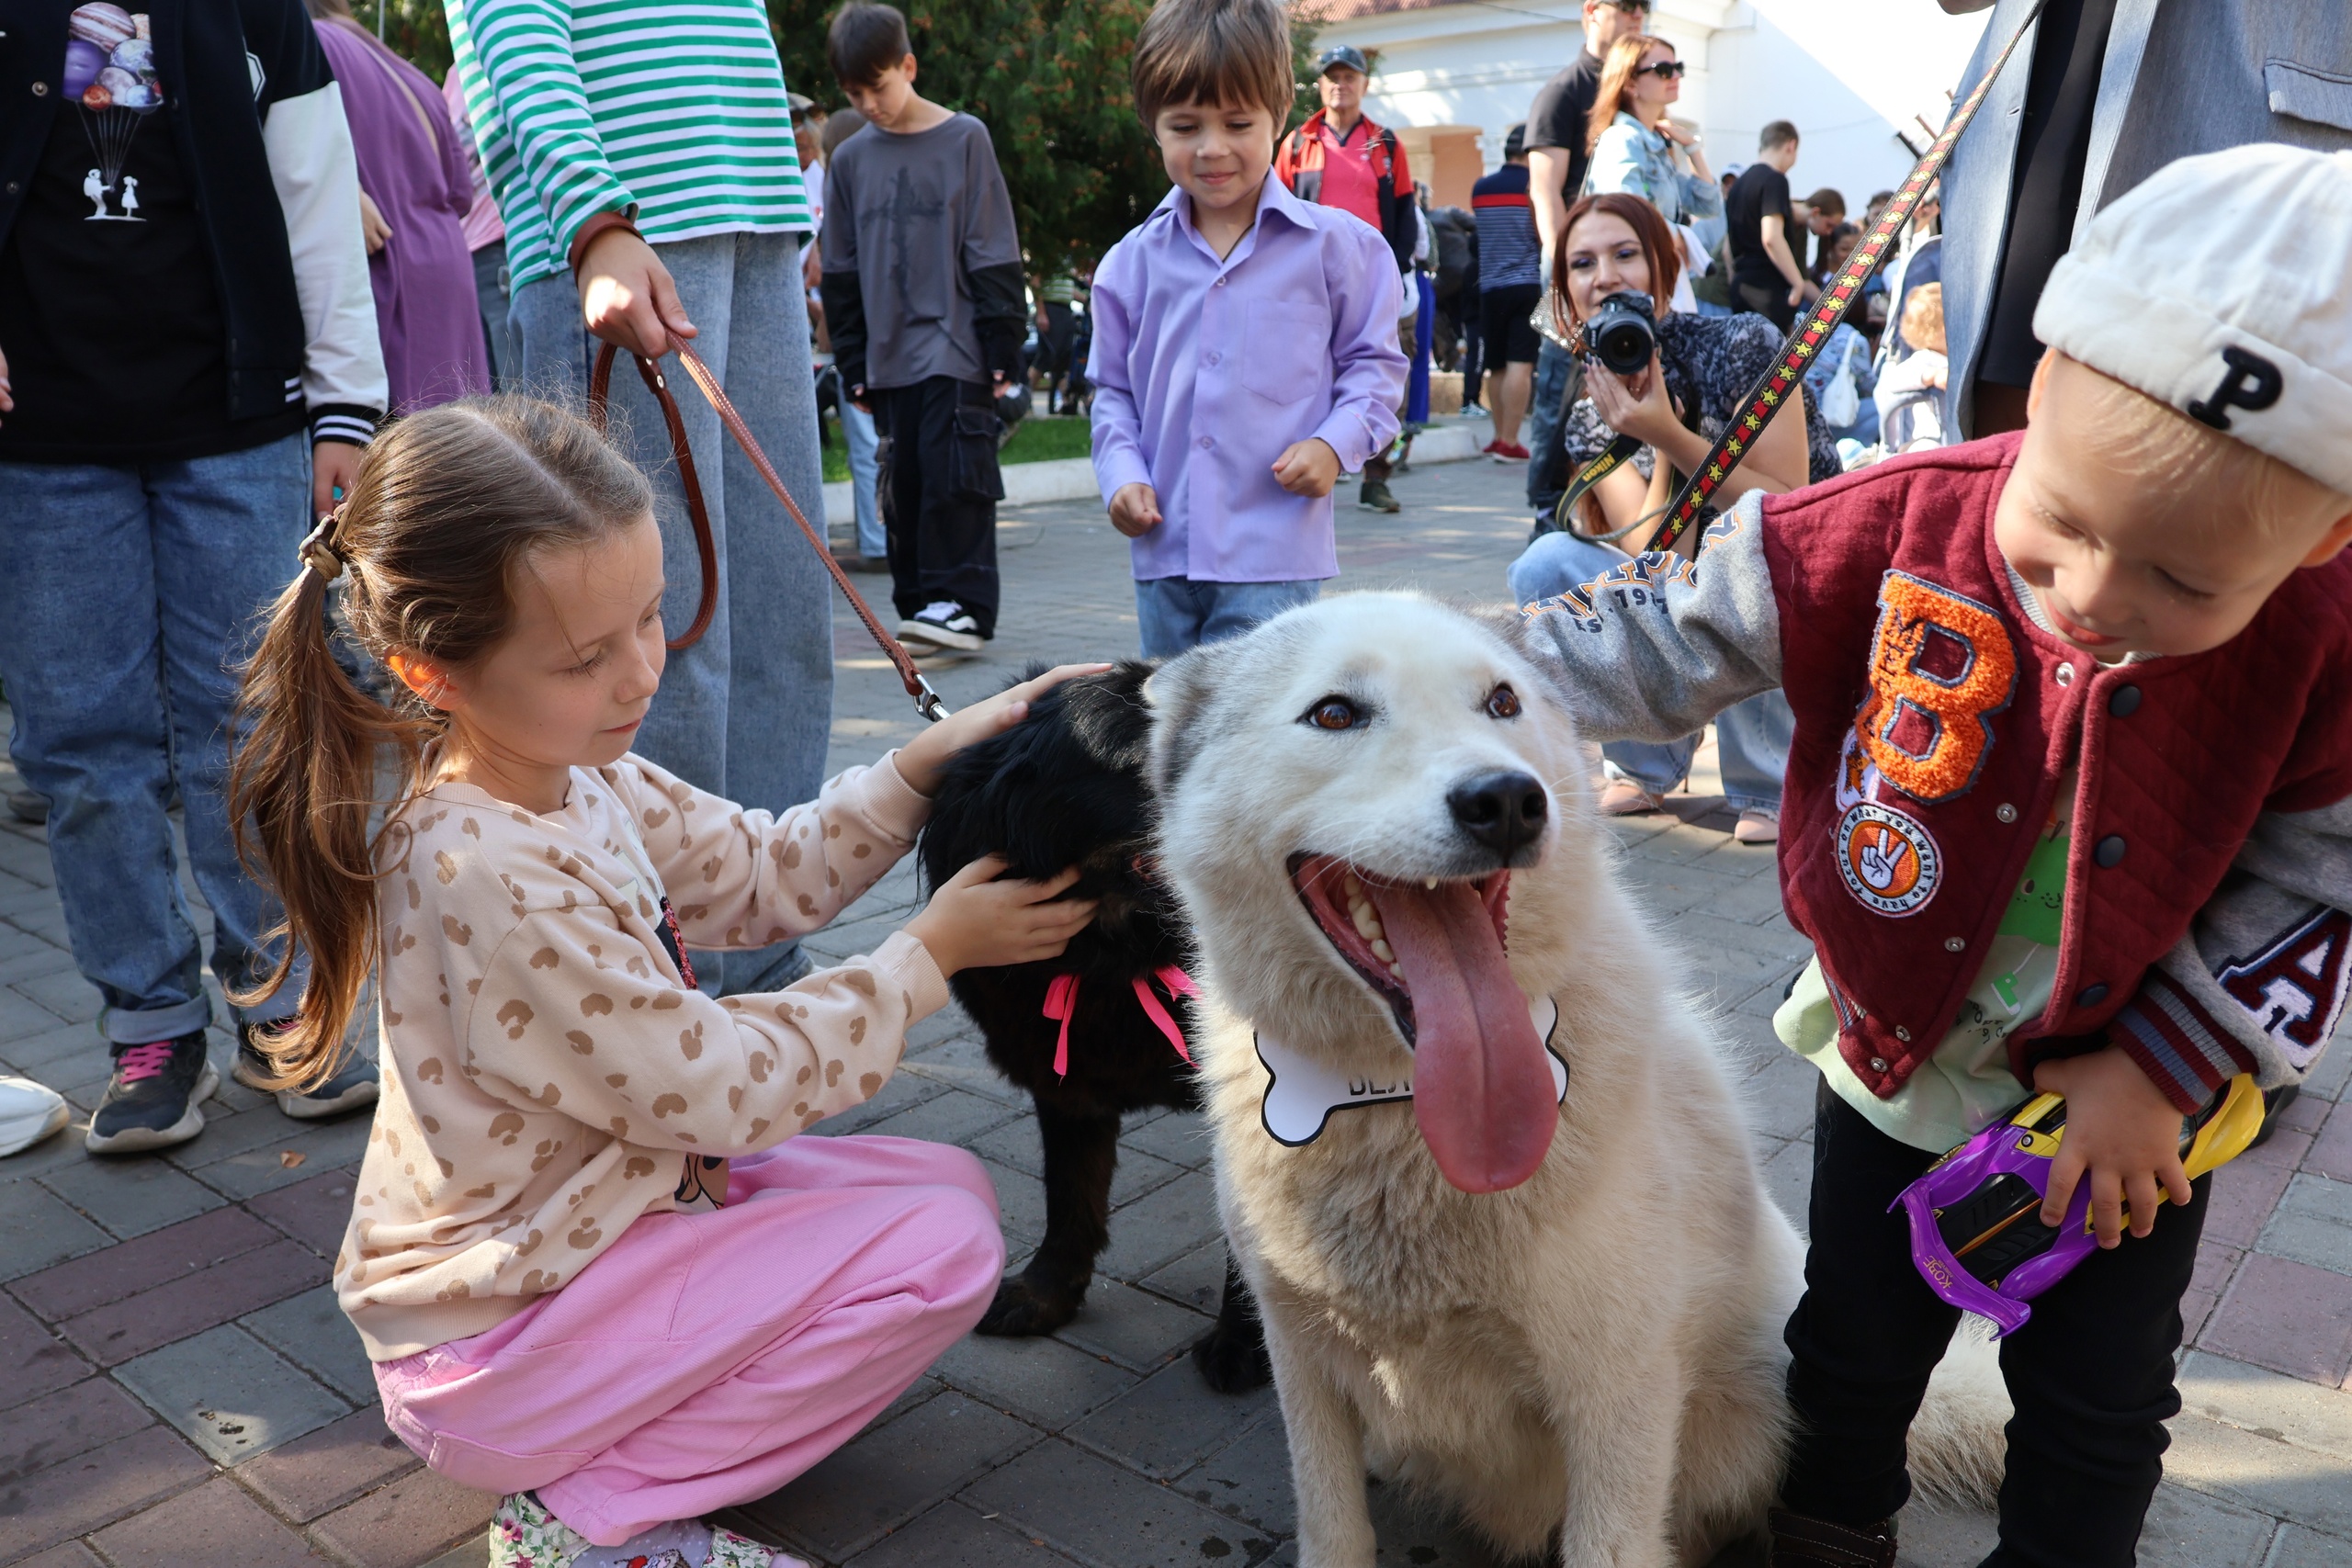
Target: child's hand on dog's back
1135	510
921	758
982	918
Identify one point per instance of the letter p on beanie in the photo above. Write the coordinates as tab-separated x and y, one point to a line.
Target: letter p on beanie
2218	286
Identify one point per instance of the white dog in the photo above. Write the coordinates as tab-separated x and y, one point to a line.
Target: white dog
1549	1288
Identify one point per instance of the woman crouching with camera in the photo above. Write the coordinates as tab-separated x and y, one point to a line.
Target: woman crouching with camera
1676	405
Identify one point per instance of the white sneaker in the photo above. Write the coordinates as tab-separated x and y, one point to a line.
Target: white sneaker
29	1112
943	623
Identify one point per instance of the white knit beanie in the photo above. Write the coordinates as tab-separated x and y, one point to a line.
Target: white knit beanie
2222	287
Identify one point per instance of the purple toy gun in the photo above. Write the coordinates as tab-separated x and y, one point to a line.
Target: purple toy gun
1976	1232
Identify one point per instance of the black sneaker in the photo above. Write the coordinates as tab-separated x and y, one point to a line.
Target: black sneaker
152	1101
943	623
352	1085
1374	497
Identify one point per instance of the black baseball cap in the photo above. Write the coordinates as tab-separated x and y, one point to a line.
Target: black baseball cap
1515	141
1345	54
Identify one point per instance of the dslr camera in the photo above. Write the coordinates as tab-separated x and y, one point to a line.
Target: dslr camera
1622	332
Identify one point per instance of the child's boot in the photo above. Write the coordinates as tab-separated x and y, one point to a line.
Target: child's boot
1798	1541
524	1534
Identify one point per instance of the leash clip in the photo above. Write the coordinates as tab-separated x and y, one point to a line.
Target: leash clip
927	702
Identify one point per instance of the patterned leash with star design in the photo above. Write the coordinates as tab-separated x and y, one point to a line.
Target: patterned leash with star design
1779	384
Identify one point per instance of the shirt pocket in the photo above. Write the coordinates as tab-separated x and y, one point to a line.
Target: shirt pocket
2303	92
1288	352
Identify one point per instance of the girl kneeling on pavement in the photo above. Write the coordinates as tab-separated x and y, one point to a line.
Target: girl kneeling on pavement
594	1269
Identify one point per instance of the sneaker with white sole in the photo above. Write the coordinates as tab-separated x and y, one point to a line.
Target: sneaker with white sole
1624	797
1758	826
29	1112
943	623
353	1084
152	1101
524	1534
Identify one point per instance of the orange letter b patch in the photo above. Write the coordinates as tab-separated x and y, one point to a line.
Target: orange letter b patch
1940	664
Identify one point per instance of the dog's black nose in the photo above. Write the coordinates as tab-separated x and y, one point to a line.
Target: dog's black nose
1502	810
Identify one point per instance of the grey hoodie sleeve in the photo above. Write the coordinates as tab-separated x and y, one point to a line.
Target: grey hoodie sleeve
2258	984
1653	646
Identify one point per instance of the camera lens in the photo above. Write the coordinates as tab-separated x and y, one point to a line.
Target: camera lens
1621	334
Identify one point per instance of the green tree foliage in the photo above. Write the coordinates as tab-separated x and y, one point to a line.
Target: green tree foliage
418	30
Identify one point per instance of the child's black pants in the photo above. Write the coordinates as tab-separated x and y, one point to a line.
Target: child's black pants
2091	1375
939	486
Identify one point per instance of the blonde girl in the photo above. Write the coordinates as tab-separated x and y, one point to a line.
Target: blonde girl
594	1269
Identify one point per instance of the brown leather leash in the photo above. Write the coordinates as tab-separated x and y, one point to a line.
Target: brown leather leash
600	382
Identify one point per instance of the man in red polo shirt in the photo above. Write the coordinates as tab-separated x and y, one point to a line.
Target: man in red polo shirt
1340	158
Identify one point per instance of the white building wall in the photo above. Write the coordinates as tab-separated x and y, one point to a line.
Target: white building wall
1847	76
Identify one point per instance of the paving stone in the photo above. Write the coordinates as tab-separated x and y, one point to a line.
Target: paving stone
2265	1402
1170	1422
954	1533
1136	1174
1195	1280
1090	1508
1013	1145
1180	1137
328	1144
33	1052
2334	1074
948	1023
230	1395
1411	1531
1021	1205
1932	1537
310	1331
115	1332
33	1360
215	1523
60	1426
73	1554
2216	1267
473	1553
242	1132
1041	1379
1162	1226
2242	1197
37	1228
2288	1316
1779	1095
315	1212
95	1488
1662	889
133	1197
173	1253
883	1479
1788	1178
414	1519
2189	1530
2298	1547
2259	1471
2331	1153
963	1063
20	1016
66	994
62	1150
902	1090
949	1118
1248	1479
328	1468
1133	1328
2312	1224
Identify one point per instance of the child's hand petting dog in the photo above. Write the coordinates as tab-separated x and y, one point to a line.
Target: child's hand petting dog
982	918
921	758
1135	510
1309	467
2123	1132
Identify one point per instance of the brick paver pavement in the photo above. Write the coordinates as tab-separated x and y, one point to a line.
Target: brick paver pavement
177	1386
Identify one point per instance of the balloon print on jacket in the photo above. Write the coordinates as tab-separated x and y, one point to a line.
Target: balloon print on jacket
110	75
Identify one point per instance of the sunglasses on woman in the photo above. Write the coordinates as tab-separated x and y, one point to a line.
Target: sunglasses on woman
1664	70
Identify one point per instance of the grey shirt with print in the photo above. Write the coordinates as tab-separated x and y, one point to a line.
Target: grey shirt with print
913	215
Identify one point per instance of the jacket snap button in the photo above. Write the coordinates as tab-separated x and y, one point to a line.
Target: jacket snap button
2006	812
2110	851
2091	996
40	89
2123	701
1902	1033
2063	674
1878	1064
1955	943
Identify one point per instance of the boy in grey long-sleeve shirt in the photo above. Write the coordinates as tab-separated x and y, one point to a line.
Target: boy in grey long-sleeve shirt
923	298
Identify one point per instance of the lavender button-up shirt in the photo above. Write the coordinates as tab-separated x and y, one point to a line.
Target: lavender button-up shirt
1205	370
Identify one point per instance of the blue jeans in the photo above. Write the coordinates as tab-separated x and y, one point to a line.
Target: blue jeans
1552	365
1751	737
1177	613
497	319
127	598
865	468
747	711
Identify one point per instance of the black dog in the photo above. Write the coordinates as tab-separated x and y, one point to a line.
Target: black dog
1067	788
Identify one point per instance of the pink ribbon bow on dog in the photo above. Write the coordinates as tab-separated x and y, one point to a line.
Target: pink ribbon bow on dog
1061	1001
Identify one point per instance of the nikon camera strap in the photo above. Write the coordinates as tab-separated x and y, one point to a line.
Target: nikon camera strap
1783	382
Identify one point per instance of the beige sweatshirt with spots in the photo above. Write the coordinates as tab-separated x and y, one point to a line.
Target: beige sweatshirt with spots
547	1076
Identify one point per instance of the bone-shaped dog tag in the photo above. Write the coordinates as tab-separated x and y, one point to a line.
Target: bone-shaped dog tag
1302	1092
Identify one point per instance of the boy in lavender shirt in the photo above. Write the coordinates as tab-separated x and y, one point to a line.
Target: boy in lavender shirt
1245	342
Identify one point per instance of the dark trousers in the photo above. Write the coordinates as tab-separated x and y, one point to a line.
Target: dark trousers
1772	302
939	486
2091	1375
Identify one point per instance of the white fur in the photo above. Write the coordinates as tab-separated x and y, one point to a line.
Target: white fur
1595	1354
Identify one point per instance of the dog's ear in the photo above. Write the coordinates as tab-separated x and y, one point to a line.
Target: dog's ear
1177	693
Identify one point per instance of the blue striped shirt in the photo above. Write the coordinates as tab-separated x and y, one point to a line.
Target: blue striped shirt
1509	252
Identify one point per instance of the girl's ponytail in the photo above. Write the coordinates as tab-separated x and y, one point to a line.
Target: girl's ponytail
445	507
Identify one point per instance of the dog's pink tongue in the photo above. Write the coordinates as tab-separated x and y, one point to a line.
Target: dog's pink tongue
1481	1088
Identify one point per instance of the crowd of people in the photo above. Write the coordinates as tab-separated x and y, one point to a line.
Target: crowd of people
312	348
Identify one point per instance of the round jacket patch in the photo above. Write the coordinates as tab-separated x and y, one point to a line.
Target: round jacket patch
1890	861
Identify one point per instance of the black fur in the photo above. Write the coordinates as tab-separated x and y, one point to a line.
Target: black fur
1067	787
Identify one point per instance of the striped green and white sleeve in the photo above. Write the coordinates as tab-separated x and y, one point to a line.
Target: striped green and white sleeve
523	49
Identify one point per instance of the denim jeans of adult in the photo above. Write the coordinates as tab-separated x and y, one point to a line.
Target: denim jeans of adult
497	316
127	598
1751	735
747	711
865	468
1545	408
1179	613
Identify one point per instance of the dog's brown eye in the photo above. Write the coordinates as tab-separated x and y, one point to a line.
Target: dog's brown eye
1334	713
1502	703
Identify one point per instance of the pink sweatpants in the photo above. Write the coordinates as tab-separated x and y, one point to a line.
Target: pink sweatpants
708	1359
